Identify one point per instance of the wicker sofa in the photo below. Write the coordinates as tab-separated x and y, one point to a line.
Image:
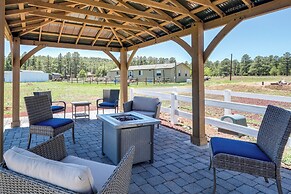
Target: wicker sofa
54	149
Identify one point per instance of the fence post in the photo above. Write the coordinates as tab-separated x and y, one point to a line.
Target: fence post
227	98
131	93
174	107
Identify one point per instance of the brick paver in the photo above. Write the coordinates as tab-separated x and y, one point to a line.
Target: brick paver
179	166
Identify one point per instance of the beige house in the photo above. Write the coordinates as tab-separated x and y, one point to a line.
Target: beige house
159	72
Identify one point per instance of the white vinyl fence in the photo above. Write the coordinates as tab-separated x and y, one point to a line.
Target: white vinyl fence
171	94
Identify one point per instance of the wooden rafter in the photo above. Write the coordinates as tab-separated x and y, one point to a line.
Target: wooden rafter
131	58
81	20
89	13
83	27
191	15
73	36
113	58
67	45
22	16
120	9
97	36
248	3
61	31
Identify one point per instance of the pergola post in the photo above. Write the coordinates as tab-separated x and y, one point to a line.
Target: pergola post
16	82
123	76
2	56
198	104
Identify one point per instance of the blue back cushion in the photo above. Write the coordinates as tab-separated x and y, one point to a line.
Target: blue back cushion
107	104
55	122
237	148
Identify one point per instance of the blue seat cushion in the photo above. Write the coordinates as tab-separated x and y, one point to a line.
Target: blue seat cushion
55	122
237	148
56	108
107	104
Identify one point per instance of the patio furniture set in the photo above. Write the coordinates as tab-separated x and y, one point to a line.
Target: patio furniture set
127	139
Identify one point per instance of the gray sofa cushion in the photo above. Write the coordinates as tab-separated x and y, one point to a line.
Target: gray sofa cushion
145	104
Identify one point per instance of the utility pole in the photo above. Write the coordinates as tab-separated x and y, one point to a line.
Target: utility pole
175	78
230	70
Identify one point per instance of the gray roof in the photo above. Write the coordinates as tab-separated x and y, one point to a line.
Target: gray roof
153	66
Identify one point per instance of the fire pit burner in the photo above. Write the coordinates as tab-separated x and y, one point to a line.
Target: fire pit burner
128	117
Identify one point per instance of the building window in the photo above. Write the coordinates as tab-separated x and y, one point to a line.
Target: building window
186	74
140	72
117	72
179	73
130	73
158	72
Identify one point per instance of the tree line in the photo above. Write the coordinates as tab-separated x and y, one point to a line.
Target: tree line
72	65
259	66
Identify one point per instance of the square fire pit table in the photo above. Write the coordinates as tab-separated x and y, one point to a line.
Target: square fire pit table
122	130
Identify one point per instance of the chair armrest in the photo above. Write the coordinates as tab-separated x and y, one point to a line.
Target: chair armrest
121	176
53	149
158	110
60	101
97	101
127	106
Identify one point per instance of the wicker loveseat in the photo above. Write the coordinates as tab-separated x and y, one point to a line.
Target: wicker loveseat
54	149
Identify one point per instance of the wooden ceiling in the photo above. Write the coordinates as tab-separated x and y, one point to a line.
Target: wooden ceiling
113	24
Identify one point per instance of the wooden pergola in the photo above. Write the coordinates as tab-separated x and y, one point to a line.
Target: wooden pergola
122	26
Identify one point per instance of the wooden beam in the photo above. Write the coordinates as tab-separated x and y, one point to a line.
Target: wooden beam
123	77
27	20
22	16
7	31
184	45
67	45
120	9
97	35
2	65
30	53
16	83
191	15
161	39
74	36
36	26
61	31
83	27
198	93
93	22
248	3
220	36
113	58
131	57
162	6
89	13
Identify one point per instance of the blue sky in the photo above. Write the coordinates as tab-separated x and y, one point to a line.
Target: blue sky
265	35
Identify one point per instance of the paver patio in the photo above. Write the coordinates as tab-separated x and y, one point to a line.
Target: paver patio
179	166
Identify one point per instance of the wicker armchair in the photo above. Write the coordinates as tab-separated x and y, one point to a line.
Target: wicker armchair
55	108
41	121
110	100
259	159
55	149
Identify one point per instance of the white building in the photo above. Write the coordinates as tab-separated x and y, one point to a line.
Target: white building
28	76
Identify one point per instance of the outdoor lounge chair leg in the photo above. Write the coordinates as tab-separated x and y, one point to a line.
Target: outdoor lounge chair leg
103	110
279	186
210	164
266	180
29	140
73	134
64	114
214	180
